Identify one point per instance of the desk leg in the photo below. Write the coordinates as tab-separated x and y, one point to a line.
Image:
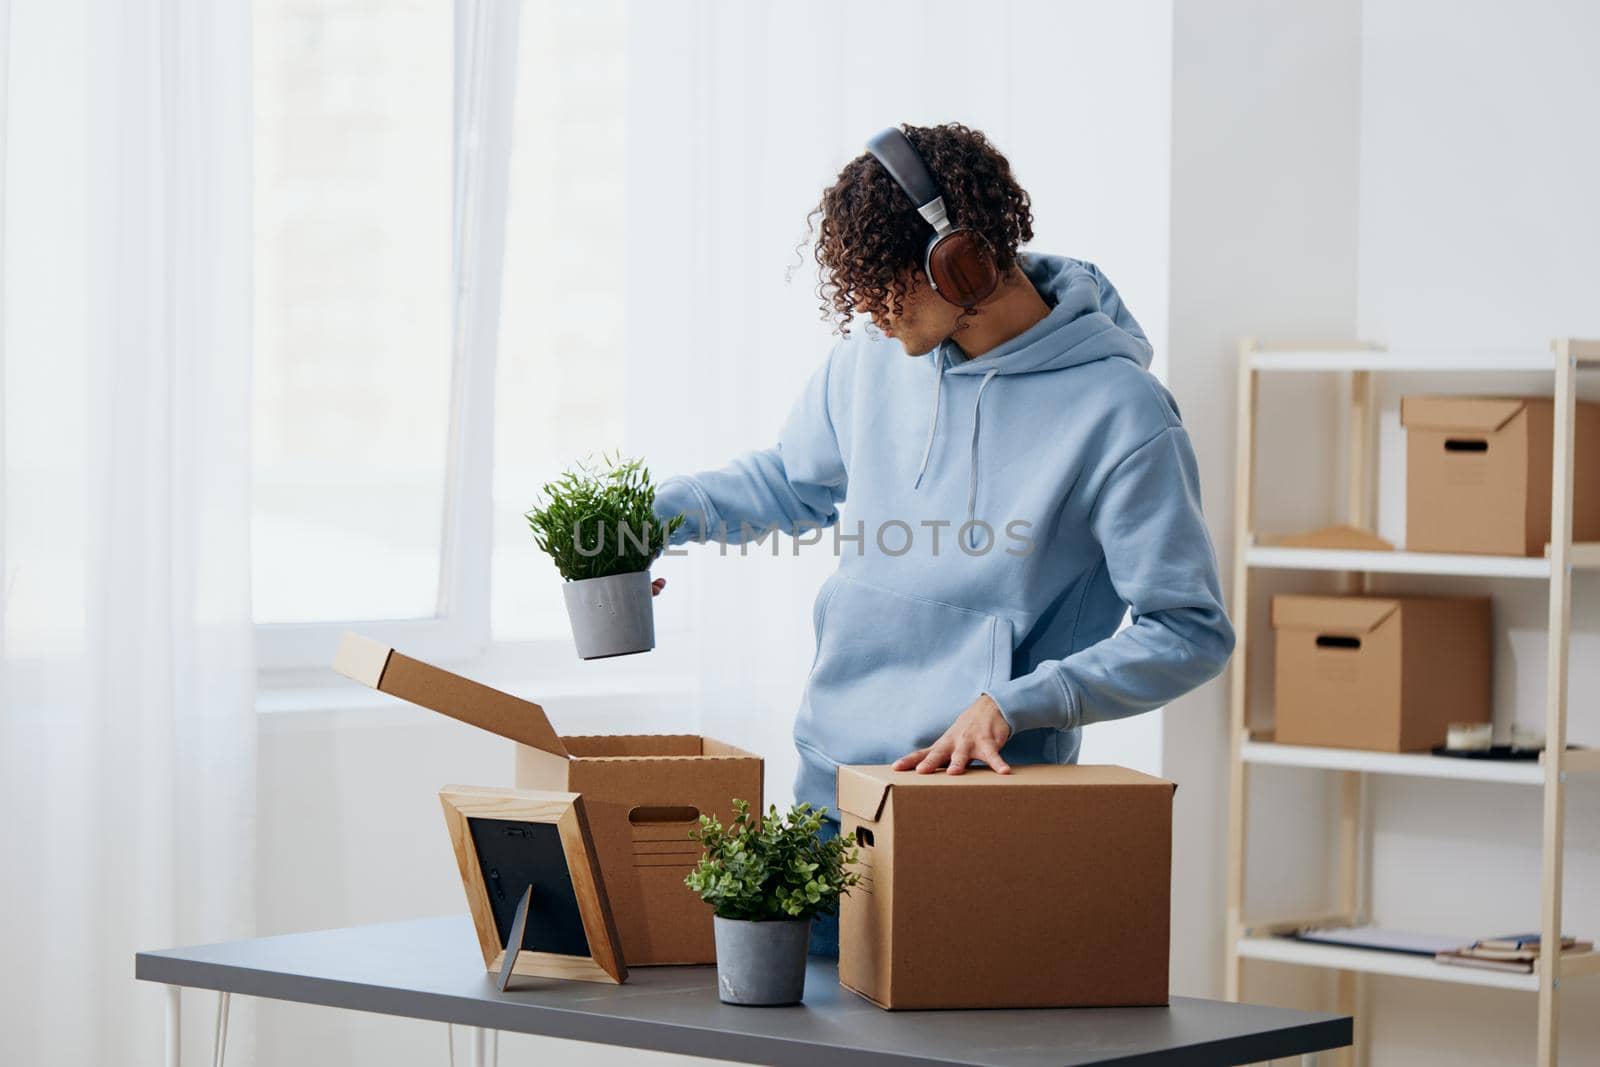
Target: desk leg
485	1048
174	1057
219	1045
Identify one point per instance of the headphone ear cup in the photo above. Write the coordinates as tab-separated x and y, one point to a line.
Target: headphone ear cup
962	267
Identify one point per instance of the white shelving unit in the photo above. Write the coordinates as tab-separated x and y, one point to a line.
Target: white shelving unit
1413	361
1583	557
1258	939
1369	562
1366	961
1415	766
1263	944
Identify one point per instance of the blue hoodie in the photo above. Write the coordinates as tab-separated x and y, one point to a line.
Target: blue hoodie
1059	456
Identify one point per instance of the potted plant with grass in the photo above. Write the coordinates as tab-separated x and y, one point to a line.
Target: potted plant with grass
598	525
765	880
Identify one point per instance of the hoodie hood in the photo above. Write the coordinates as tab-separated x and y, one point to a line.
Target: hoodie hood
1087	322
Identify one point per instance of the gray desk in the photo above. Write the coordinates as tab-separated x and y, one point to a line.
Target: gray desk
431	969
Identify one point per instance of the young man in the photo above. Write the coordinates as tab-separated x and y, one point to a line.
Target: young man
1016	478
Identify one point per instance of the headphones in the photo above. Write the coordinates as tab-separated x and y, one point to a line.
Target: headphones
958	262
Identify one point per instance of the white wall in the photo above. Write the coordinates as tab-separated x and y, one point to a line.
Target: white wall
1479	145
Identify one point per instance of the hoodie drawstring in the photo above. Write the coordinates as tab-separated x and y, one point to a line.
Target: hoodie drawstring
933	433
933	422
972	473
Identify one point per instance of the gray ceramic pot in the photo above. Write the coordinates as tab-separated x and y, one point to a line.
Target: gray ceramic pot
762	962
611	616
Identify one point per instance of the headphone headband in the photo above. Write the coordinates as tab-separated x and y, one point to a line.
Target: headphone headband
958	262
904	163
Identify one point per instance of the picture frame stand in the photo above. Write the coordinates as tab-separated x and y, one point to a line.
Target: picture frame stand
519	926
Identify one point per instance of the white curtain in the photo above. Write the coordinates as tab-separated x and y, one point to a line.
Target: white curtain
127	725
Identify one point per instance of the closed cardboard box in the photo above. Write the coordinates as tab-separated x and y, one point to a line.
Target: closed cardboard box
1478	473
1383	673
1047	887
642	794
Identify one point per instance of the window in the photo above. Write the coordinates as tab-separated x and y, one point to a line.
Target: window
559	378
439	310
352	310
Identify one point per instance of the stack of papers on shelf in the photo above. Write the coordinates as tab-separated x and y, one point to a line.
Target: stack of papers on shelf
1514	952
1381	940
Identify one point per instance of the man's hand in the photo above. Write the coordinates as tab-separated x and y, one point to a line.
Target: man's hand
657	585
978	733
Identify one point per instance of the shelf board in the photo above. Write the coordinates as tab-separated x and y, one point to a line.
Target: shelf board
1371	961
1580	964
1412	764
1402	965
1578	761
1355	559
1408	361
1584	351
1583	554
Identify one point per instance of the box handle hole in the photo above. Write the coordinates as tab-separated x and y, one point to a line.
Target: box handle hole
863	837
645	814
1465	444
1337	641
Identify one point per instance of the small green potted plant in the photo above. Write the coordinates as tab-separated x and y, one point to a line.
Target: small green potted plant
766	879
599	527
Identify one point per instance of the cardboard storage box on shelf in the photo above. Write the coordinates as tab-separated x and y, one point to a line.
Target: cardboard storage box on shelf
1047	887
1375	672
642	794
1478	471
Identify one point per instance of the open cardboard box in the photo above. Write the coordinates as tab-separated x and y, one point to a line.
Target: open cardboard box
642	793
1049	887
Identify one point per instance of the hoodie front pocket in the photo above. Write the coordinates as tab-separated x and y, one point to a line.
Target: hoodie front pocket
893	670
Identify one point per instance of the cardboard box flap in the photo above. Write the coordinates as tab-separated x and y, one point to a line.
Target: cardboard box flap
1335	537
1052	775
1332	614
362	659
860	791
633	746
1479	414
375	664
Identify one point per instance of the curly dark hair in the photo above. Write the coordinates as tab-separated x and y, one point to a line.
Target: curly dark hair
870	238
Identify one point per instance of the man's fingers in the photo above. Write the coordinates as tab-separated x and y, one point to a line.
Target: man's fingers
910	759
937	757
657	585
952	756
960	758
991	755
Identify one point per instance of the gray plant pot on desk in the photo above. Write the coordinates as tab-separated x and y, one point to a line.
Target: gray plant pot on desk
611	616
761	963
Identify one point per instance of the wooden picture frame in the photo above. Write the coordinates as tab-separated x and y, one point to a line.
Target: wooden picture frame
552	883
